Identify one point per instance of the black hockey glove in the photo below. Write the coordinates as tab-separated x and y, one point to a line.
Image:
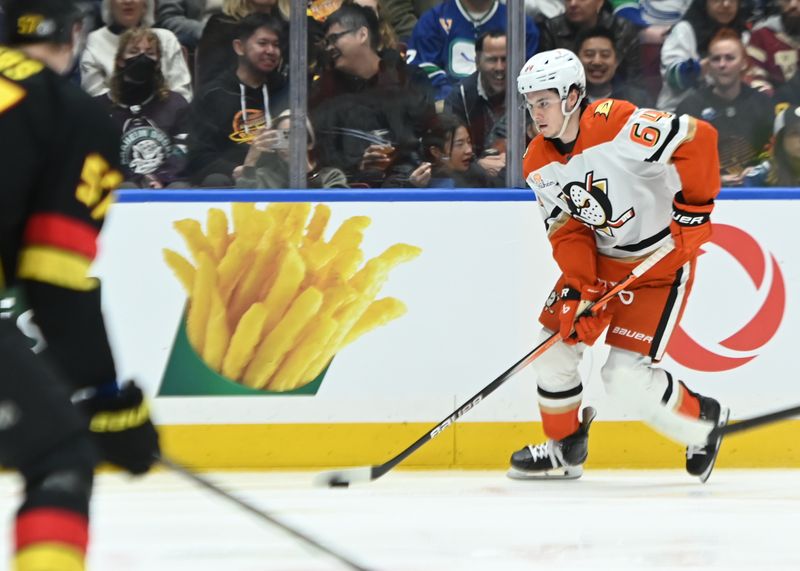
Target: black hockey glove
122	429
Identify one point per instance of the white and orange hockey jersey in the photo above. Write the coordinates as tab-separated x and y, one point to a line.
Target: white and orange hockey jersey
612	195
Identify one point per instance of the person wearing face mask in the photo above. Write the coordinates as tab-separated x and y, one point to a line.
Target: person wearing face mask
153	119
228	116
98	59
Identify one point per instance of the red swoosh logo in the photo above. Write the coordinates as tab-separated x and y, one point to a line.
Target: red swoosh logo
759	330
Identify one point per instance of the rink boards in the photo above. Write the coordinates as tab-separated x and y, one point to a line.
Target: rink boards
472	297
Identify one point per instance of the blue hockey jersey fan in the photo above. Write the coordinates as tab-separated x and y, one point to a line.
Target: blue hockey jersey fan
443	41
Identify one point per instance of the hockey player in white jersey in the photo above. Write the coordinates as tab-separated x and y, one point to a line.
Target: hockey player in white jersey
614	184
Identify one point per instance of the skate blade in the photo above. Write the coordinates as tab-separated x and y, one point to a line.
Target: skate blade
563	473
724	414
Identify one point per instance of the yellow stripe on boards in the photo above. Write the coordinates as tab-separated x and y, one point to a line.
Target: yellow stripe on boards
465	445
49	557
56	267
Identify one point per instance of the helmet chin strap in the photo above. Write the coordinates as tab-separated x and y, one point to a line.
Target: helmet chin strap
567	115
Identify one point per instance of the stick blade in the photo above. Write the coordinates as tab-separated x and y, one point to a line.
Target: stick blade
343	478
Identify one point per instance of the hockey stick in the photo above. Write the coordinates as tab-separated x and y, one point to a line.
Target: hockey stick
347	476
215	489
754	422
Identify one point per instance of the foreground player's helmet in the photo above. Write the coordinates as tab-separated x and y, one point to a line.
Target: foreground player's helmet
558	69
35	21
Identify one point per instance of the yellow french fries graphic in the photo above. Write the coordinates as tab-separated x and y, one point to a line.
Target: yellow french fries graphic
270	301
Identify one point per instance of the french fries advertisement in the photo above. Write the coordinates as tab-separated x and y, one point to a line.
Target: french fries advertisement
271	301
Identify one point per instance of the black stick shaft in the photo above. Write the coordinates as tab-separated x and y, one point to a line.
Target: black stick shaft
213	488
757	421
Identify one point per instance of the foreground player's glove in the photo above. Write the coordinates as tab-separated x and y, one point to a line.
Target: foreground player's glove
122	430
587	328
690	226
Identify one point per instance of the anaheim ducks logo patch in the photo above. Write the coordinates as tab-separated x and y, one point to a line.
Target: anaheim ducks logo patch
245	131
588	203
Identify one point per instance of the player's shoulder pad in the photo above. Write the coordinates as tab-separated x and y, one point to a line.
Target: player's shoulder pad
20	75
538	154
603	120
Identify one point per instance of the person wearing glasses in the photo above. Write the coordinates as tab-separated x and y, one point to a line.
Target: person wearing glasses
368	111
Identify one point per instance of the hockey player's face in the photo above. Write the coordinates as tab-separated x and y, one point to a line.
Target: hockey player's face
545	109
722	11
262	50
128	13
599	59
492	65
726	62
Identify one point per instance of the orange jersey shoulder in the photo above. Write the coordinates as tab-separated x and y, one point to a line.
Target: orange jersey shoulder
602	121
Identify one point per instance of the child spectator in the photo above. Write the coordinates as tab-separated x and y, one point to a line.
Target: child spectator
267	162
783	166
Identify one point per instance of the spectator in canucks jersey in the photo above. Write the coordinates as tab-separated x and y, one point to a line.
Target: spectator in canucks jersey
443	41
152	119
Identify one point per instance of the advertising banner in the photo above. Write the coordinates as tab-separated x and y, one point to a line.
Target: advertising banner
398	312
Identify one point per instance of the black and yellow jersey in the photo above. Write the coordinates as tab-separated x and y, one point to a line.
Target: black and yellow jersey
59	163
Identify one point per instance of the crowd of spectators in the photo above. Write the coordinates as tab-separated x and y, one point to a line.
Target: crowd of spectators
412	93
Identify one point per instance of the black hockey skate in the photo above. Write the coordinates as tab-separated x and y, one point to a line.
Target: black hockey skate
555	459
700	459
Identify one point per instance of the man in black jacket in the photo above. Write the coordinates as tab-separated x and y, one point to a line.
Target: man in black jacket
562	32
369	109
228	115
480	99
742	116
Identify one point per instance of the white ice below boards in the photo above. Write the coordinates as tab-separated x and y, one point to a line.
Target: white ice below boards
436	521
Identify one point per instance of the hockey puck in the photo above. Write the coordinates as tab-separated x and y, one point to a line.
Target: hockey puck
338	484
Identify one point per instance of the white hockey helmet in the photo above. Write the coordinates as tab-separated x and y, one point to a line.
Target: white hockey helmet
557	69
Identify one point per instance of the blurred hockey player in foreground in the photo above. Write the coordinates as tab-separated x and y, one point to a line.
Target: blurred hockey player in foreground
614	184
59	155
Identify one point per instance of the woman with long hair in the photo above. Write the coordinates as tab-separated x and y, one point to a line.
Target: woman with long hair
685	51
